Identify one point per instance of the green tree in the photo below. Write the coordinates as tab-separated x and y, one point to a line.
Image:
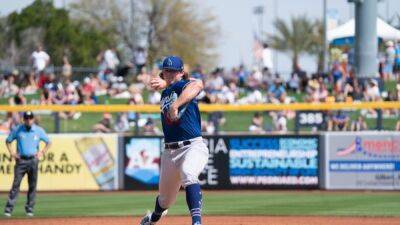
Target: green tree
179	27
297	37
317	47
111	17
163	27
42	22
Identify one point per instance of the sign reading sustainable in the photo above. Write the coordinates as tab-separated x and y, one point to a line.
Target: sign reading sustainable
273	161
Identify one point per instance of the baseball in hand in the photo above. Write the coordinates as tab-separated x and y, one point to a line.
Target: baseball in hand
157	83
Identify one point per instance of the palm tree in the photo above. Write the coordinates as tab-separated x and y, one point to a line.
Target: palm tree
317	47
296	38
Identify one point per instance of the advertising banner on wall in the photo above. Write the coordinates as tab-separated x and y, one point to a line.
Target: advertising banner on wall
261	162
234	162
141	162
364	160
273	161
74	162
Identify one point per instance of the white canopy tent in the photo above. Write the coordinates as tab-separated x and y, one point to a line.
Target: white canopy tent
384	31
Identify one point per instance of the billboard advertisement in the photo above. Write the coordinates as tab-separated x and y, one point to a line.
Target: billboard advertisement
235	162
73	162
364	160
261	162
141	162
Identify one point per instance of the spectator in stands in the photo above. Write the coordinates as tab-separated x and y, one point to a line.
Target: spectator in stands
359	124
214	83
358	94
337	76
216	118
276	92
59	97
294	83
18	98
230	93
197	72
372	91
318	92
40	60
349	85
143	78
8	86
267	58
242	75
87	87
255	79
257	123
108	63
9	123
207	127
396	69
280	122
45	97
390	56
338	122
104	125
66	68
150	128
139	59
119	89
29	83
111	60
154	97
121	123
48	81
313	94
135	95
398	125
302	76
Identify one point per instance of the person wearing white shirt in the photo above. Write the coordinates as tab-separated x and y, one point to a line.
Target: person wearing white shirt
110	58
40	59
139	59
267	57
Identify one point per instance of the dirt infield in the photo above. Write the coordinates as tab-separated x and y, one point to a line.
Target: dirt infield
211	220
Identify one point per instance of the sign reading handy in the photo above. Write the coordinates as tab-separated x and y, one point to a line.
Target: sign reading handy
74	162
364	160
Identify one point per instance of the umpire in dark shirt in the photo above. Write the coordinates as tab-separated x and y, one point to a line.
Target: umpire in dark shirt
28	136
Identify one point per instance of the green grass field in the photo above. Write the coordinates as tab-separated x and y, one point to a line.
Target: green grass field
284	203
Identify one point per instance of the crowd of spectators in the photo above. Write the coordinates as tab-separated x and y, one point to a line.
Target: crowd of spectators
238	85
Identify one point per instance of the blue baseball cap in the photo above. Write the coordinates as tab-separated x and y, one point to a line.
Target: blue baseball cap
173	63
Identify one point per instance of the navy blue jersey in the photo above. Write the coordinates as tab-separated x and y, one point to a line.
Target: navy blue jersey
188	125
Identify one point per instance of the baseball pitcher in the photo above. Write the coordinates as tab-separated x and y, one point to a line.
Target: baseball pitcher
185	154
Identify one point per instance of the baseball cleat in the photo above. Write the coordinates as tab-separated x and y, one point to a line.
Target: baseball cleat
7	214
147	218
29	214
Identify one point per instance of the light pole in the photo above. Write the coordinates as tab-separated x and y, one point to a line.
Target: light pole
366	44
325	47
259	12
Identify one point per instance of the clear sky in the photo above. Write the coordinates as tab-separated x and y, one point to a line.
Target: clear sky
238	23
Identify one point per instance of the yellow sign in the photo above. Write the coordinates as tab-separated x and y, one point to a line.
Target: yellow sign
74	162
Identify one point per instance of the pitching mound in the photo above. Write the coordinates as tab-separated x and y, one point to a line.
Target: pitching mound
211	220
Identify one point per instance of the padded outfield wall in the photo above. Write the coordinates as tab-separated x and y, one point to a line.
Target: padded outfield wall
331	160
361	160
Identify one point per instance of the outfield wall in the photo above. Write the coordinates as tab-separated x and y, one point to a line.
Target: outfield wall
331	160
235	162
363	160
74	162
